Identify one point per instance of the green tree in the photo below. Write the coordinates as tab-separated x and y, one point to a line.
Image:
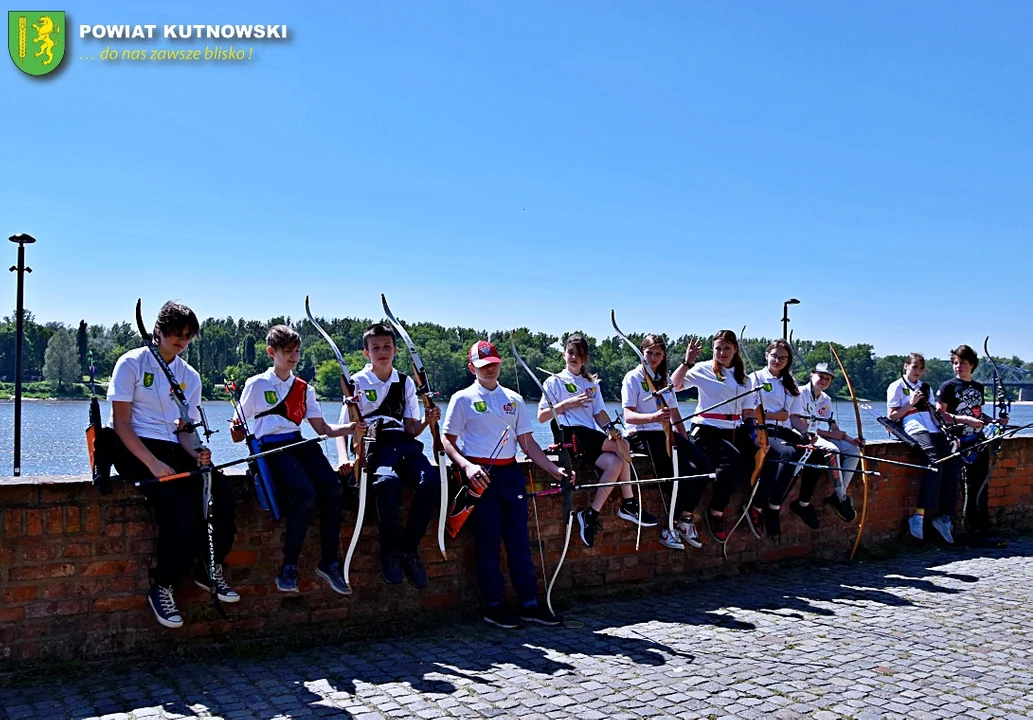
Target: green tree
62	360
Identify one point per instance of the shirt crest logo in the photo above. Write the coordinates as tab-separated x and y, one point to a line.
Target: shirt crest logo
768	387
480	406
148	379
270	397
509	409
571	387
371	394
590	392
644	386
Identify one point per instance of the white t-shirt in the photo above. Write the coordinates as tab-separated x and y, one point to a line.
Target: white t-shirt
478	417
635	394
565	385
372	391
775	399
713	390
819	407
263	392
138	379
897	396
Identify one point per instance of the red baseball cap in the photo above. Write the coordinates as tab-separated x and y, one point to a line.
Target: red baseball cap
483	353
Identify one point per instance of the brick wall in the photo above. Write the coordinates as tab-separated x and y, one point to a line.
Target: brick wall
73	564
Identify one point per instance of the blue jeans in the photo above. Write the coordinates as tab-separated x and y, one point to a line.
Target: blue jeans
304	475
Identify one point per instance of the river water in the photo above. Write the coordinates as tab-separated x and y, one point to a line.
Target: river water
53	440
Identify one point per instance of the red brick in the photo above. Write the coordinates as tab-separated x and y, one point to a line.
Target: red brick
126	584
12	614
110	547
112	604
38	553
113	530
105	567
12	523
40	572
75	550
93	523
19	594
33	522
65	607
242	557
55	521
73	522
137	529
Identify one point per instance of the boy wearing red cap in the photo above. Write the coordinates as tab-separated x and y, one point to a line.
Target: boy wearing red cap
388	397
489	418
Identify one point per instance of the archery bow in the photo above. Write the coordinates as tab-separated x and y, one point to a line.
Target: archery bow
653	381
423	390
566	483
348	388
763	445
187	425
860	440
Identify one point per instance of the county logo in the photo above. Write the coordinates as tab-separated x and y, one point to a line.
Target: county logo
36	39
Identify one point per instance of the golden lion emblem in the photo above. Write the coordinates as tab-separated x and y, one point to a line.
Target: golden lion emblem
43	31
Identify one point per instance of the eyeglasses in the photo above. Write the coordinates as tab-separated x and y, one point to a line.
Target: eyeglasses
779	358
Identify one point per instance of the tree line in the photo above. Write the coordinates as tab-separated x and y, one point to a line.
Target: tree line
234	349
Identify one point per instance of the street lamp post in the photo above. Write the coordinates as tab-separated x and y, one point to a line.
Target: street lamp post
785	316
22	240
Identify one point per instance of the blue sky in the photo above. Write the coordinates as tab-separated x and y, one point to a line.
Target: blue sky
535	164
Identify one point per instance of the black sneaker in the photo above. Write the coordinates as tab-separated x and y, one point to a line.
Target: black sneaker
391	565
333	573
163	603
287	580
413	569
807	513
716	526
588	521
629	511
772	523
502	616
541	615
844	509
223	591
986	540
755	519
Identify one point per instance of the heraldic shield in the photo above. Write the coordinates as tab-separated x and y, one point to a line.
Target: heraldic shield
36	39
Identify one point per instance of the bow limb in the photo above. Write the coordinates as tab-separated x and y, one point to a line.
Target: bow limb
860	439
359	517
653	381
347	388
759	457
566	483
423	390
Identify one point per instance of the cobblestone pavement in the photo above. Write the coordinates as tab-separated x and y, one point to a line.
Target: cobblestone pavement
932	634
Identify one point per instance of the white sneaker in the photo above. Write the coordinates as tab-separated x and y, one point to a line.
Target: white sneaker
687	530
670	541
943	526
914	526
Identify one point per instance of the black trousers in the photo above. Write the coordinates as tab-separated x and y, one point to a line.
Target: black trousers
182	534
939	491
977	508
732	454
776	476
304	476
398	456
691	460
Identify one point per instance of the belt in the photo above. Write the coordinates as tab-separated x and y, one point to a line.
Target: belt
496	462
912	411
281	437
720	416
